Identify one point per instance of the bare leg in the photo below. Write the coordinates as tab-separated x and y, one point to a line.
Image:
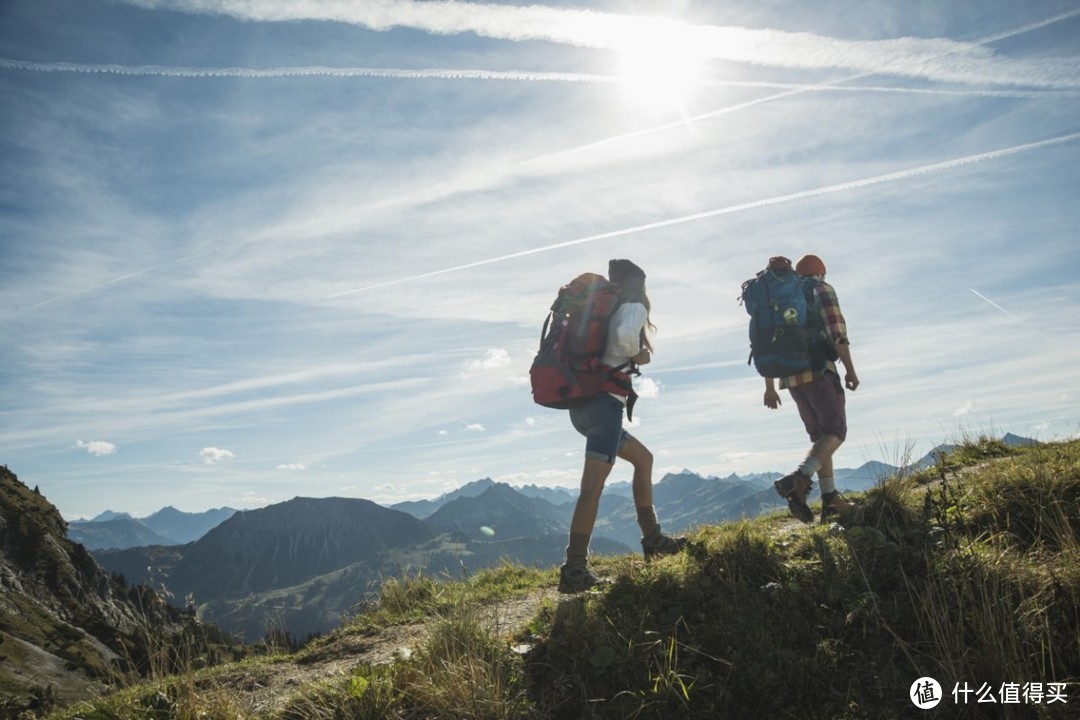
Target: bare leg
593	477
639	456
823	451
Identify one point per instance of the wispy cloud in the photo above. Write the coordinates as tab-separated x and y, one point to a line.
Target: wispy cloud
741	207
934	59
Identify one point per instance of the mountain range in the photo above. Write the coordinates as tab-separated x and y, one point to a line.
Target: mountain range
69	618
302	563
167	526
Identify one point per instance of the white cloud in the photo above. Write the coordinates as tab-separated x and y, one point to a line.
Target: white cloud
494	359
291	466
966	409
97	447
213	455
530	421
250	499
474	427
646	387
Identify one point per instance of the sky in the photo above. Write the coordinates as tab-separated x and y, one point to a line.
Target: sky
258	249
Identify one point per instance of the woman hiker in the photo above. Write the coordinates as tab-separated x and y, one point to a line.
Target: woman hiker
600	421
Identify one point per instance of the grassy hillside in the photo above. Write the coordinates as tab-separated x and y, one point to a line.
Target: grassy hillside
968	573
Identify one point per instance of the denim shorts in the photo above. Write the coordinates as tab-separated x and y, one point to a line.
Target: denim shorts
600	421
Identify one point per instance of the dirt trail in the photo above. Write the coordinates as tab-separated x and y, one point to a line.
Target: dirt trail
263	688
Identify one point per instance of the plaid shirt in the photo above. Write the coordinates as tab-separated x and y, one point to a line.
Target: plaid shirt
835	328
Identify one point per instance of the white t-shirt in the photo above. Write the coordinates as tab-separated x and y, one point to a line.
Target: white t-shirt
624	336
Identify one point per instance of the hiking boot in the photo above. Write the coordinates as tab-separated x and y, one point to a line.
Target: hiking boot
578	578
833	504
794	488
657	544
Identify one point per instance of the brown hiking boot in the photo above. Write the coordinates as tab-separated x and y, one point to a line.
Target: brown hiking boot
833	504
657	544
794	488
579	578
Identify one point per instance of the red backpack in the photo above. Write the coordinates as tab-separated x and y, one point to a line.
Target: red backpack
566	371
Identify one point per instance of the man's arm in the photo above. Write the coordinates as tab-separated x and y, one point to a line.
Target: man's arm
836	328
851	380
772	398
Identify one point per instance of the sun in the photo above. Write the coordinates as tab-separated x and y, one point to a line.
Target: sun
660	72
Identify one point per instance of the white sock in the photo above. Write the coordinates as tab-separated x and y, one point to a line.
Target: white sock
809	466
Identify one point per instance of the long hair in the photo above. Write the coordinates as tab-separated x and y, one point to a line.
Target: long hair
633	290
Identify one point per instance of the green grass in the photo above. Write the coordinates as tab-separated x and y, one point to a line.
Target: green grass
969	572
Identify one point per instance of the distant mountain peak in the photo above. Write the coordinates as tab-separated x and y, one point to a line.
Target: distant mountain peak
111	515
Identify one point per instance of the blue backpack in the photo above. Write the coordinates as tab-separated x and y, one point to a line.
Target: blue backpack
783	327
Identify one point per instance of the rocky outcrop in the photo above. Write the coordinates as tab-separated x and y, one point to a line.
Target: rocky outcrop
67	628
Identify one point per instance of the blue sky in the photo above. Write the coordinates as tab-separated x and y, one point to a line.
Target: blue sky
257	249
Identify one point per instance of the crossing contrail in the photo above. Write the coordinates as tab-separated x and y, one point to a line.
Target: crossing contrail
992	303
1028	326
753	205
115	280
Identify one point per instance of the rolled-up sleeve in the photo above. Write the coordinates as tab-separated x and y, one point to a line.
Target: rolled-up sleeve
835	326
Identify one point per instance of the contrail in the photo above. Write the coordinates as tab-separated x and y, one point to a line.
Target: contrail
115	280
505	75
313	71
992	303
780	199
1028	326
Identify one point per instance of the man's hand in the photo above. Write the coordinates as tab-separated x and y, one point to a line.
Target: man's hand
772	398
851	380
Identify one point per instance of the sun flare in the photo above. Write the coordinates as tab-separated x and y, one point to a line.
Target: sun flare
660	72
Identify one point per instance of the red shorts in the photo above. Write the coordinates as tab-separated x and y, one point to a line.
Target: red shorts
821	407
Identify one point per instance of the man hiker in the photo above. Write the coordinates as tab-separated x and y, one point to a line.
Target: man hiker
819	396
